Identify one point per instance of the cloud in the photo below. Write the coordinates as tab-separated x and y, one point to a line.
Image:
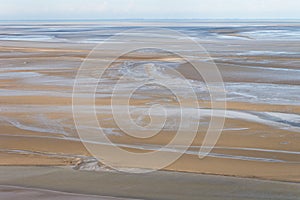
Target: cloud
113	9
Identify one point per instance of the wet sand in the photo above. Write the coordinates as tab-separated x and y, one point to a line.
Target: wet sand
16	193
260	138
156	185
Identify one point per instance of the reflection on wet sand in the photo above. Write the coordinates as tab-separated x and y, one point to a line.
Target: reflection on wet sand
262	82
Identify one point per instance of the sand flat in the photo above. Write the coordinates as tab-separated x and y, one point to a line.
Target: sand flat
260	139
18	193
157	185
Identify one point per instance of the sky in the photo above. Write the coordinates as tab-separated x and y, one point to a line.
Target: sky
148	9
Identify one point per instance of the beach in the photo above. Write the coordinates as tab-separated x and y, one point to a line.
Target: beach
256	157
156	185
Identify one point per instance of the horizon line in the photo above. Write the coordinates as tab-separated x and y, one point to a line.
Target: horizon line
115	19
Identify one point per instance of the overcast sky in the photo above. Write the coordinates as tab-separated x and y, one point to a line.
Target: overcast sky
148	9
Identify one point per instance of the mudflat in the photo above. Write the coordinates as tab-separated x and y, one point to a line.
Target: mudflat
260	138
155	185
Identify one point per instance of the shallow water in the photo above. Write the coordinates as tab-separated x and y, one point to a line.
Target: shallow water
259	63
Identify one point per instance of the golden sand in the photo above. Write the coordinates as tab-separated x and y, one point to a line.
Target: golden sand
22	145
